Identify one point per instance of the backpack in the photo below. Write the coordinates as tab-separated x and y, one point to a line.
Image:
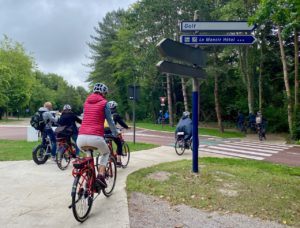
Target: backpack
37	121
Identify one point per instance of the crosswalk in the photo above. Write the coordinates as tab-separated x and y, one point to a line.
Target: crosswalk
244	149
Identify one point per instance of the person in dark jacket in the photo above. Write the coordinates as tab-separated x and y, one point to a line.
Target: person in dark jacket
68	119
185	125
117	120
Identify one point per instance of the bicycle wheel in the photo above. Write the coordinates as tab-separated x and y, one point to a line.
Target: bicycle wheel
82	195
179	146
63	157
110	176
40	154
126	155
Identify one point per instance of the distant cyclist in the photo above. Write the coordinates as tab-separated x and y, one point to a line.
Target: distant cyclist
117	120
91	132
185	125
68	119
49	120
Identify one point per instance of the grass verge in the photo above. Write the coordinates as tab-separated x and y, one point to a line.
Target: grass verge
254	188
12	150
202	131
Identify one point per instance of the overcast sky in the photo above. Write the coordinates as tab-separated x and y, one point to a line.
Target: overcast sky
55	32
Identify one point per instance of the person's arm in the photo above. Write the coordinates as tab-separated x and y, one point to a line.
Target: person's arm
120	121
77	119
110	121
48	117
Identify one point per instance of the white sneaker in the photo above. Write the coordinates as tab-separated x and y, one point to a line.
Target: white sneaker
53	158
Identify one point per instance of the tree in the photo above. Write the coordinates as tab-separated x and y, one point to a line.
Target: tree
20	65
279	12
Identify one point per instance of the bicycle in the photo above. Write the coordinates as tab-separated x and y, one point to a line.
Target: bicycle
65	152
261	132
125	157
84	186
181	145
41	152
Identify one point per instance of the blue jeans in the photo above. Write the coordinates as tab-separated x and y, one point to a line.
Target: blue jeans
49	132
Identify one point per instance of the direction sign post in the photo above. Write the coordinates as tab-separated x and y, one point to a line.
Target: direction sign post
218	39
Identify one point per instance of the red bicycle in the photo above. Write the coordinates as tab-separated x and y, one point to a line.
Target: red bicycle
65	152
84	187
125	157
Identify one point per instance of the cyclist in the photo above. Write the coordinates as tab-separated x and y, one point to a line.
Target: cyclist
91	132
49	120
117	120
68	120
261	124
185	125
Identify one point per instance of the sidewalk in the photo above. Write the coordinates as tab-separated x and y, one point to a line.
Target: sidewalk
39	196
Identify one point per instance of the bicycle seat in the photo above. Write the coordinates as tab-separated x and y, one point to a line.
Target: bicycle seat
85	148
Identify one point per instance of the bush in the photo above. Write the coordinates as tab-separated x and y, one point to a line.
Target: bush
296	124
276	118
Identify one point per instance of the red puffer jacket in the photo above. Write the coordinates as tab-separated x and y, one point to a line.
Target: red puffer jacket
93	116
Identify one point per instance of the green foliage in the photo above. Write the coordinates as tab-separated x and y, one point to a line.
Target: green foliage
296	124
276	119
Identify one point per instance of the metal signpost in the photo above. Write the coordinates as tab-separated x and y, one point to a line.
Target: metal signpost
195	56
217	39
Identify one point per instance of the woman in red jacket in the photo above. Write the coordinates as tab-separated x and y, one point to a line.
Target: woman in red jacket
91	131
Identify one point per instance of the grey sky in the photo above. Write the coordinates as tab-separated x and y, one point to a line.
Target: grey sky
55	32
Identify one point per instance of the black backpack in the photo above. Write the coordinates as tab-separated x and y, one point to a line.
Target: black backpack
37	121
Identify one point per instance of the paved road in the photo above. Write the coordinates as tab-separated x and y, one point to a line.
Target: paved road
249	148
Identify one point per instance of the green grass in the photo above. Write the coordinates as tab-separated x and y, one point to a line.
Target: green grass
11	150
254	188
202	131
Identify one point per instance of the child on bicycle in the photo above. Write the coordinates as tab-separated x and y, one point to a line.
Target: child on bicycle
91	132
117	120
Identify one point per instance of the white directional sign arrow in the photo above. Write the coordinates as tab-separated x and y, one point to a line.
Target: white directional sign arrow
226	26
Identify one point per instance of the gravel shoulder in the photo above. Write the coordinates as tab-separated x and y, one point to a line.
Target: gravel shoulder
147	211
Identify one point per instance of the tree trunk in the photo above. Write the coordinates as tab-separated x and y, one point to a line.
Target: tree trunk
185	101
247	76
216	94
170	108
296	68
249	82
260	77
286	79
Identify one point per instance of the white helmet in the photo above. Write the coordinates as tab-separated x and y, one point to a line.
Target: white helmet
112	104
100	88
186	113
67	107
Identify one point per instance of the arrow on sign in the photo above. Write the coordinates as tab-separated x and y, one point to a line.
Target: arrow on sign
216	26
182	52
218	39
178	69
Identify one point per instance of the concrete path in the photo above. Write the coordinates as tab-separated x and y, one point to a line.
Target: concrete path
39	196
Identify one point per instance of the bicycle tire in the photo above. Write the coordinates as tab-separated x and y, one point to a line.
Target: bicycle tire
39	154
110	176
179	147
63	158
125	157
82	195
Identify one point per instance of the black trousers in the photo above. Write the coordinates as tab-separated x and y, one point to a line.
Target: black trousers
117	141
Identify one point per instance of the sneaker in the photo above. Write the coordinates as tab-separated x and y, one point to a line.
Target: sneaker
100	180
53	158
119	164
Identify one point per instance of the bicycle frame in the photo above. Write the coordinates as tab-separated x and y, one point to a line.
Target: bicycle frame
87	163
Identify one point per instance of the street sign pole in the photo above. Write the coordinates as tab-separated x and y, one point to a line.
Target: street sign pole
195	116
195	125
